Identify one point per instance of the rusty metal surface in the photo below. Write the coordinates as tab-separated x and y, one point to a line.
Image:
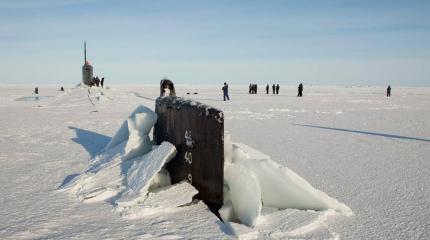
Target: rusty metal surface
197	131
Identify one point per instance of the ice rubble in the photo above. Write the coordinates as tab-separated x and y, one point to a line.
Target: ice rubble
253	180
163	200
129	166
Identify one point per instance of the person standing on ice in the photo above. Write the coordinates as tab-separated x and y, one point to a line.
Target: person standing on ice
102	81
97	81
277	89
267	89
273	88
300	90
225	91
389	91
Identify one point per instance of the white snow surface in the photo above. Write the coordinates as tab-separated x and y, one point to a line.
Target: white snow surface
352	143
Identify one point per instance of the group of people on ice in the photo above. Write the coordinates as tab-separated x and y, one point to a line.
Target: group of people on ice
95	81
275	90
253	88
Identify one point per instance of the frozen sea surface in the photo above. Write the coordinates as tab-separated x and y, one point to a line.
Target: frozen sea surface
367	151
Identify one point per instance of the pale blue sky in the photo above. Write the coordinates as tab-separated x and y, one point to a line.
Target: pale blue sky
140	42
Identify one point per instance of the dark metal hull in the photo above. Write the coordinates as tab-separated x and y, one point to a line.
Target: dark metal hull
197	131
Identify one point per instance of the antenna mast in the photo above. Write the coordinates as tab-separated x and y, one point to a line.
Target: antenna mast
85	52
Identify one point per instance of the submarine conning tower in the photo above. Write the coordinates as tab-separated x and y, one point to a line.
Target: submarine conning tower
87	69
197	131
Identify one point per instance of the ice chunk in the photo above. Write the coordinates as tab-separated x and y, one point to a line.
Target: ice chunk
228	148
281	187
107	158
227	212
137	145
238	154
161	179
144	169
100	185
142	122
111	176
226	192
122	134
165	200
247	151
244	192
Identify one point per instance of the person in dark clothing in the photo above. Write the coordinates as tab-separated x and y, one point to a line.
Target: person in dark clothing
62	89
389	91
277	88
36	90
253	88
167	88
300	90
273	88
225	91
102	81
267	89
97	81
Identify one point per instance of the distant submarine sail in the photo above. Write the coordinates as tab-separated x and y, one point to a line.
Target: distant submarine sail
87	69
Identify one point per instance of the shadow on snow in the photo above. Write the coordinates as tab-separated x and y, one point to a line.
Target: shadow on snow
68	178
92	142
367	133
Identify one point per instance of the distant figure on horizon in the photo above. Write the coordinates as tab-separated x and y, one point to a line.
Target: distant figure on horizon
253	88
62	89
36	90
300	90
225	91
389	91
97	81
273	88
267	89
102	81
277	89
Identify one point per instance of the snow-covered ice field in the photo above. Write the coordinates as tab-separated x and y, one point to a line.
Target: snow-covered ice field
370	152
